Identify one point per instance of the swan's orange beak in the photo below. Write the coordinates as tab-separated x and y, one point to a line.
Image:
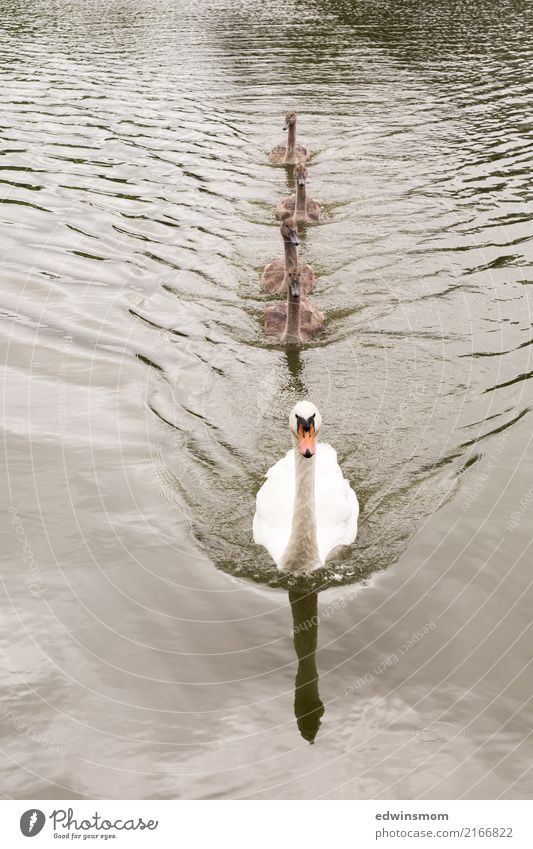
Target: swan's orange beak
306	440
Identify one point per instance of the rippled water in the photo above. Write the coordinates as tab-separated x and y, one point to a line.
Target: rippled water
147	643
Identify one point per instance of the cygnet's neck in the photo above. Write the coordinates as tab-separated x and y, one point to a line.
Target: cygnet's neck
301	553
292	327
291	139
291	254
301	199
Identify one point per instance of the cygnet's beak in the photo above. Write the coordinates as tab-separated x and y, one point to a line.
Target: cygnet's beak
293	236
301	181
306	439
286	125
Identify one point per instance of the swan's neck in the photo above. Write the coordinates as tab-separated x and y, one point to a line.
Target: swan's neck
291	254
291	139
292	328
301	553
301	199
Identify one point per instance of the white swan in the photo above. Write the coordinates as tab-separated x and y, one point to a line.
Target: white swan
305	508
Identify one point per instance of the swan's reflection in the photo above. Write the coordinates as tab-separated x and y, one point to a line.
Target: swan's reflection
308	708
295	367
291	179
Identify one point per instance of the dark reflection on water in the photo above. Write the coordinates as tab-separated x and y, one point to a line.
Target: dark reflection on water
295	369
308	707
146	636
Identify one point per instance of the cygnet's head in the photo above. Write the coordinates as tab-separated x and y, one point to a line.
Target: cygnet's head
288	230
305	422
290	119
300	174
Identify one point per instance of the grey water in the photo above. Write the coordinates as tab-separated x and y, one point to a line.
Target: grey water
149	648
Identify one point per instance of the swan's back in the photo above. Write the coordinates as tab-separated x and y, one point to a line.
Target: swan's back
274	507
336	504
337	508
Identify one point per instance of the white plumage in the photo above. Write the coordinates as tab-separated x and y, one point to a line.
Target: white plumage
336	505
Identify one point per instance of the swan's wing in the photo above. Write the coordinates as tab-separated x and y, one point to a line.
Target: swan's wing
286	205
313	209
337	507
274	506
277	152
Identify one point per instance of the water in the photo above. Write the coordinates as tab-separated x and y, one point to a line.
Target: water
147	643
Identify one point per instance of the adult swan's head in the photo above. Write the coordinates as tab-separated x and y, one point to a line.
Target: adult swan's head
305	422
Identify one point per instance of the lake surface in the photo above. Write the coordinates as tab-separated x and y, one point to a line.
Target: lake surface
147	643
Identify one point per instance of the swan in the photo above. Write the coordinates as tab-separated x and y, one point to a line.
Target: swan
299	205
291	153
274	276
296	319
305	508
